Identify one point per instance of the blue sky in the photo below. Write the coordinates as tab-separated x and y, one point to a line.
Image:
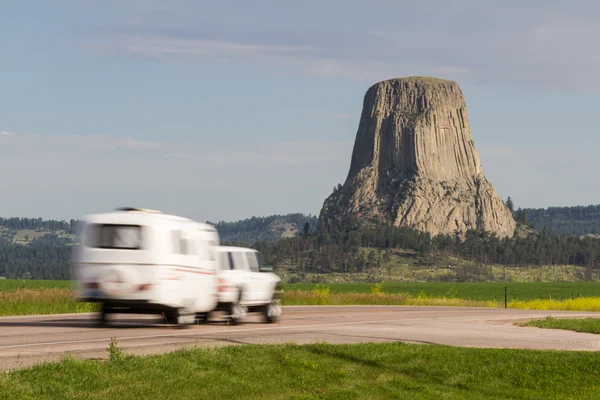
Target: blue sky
225	110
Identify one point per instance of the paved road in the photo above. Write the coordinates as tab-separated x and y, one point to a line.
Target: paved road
28	340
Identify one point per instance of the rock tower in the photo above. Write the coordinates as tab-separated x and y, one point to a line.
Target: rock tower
414	163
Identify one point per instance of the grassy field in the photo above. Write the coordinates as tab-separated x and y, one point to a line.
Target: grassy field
34	297
478	291
14	284
321	295
318	371
31	297
41	301
588	325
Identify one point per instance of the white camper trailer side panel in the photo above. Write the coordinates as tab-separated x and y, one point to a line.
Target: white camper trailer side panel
189	277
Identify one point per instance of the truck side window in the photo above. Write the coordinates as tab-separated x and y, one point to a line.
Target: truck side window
239	264
252	261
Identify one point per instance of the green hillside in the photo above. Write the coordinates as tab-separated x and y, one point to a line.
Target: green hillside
274	227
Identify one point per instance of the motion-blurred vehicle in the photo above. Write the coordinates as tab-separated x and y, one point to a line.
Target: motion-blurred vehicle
141	261
247	285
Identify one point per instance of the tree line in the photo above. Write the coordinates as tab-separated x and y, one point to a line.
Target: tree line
338	248
577	220
46	257
38	224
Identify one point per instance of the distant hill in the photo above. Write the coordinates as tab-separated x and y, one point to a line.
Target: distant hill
41	249
248	231
576	220
25	230
274	227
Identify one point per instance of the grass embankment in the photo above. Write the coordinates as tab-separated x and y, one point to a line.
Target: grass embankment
33	297
479	291
578	304
14	284
322	295
587	325
41	301
357	371
449	294
51	297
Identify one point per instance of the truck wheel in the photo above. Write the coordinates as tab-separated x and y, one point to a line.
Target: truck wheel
237	311
272	311
103	315
202	317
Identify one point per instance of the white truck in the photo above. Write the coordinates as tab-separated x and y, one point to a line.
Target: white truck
245	285
135	260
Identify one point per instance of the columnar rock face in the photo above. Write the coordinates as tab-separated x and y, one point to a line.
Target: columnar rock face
414	163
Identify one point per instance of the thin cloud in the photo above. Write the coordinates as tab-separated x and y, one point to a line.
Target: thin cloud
81	141
282	154
279	154
549	46
171	48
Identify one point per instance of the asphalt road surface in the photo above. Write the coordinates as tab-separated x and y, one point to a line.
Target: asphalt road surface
32	339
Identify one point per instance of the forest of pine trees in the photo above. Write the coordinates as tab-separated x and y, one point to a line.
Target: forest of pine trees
46	257
338	249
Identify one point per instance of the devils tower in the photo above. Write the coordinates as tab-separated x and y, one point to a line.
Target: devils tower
414	163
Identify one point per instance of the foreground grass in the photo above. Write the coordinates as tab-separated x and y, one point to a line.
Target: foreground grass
41	301
587	325
358	371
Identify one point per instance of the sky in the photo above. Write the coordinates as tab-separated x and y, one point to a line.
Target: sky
232	109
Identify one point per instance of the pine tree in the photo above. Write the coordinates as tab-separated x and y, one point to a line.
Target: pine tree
306	228
510	205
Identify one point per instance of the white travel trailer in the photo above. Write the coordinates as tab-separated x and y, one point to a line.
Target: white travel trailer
144	262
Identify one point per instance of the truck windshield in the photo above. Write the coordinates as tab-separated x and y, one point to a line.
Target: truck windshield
112	236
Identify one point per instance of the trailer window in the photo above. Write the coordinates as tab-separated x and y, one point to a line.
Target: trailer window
180	244
113	236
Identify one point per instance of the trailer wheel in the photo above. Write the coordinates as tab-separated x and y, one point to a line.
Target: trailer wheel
180	317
